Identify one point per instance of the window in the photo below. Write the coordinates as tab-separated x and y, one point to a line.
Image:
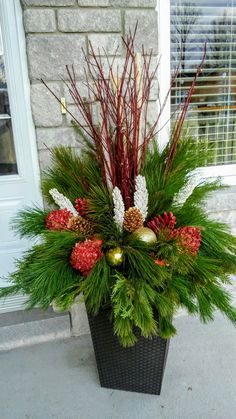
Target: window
211	116
7	149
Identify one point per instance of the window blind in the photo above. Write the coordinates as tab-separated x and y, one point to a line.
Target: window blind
212	113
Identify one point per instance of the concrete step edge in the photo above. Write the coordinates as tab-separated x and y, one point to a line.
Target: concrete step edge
37	331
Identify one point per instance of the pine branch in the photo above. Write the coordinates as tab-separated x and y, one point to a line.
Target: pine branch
29	222
70	174
96	286
44	273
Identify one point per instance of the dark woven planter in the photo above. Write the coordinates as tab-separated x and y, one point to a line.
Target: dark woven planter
139	368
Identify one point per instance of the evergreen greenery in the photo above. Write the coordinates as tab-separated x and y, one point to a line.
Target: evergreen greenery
185	266
140	293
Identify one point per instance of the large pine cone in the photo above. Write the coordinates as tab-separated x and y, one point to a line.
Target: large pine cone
83	225
166	221
133	219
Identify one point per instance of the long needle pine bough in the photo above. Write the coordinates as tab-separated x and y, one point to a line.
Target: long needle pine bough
122	234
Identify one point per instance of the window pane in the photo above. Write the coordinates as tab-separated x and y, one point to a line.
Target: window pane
212	113
7	150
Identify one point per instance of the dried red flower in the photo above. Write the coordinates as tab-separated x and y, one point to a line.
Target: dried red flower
81	205
85	254
190	238
160	262
165	221
58	219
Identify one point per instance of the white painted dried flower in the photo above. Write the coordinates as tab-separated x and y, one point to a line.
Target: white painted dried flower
141	195
186	191
62	201
119	208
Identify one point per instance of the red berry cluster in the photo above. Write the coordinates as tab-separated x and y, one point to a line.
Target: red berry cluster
190	238
160	262
58	219
85	254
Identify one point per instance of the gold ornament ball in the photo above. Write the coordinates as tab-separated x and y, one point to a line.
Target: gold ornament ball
146	235
115	256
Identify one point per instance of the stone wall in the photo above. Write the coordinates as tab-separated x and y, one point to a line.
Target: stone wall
56	32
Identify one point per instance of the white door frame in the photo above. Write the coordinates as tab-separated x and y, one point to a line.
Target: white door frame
13	36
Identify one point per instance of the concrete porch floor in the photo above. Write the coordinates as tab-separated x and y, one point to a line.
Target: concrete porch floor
59	379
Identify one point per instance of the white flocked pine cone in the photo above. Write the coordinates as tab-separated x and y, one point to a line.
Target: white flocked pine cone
119	208
141	195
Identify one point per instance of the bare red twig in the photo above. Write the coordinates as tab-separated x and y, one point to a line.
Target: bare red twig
120	130
180	121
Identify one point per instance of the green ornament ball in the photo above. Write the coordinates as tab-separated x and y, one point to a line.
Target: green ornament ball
114	256
146	235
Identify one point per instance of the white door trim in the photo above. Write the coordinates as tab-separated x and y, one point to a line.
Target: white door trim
11	20
17	75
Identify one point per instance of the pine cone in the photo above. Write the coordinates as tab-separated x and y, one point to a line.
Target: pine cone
83	225
167	221
133	219
82	206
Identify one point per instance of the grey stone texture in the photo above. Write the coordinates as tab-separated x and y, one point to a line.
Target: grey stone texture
89	20
133	3
79	319
118	63
118	3
49	54
45	159
74	114
55	137
82	89
45	109
147	34
49	3
39	20
106	44
94	3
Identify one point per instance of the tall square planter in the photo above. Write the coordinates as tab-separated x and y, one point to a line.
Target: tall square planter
139	368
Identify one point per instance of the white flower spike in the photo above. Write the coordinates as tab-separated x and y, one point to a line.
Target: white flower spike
119	208
62	201
141	195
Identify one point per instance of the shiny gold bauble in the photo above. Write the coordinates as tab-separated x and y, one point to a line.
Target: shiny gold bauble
115	256
146	235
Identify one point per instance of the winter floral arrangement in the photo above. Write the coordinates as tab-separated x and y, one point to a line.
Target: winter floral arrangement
119	234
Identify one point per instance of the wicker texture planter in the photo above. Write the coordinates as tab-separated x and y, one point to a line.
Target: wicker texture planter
139	368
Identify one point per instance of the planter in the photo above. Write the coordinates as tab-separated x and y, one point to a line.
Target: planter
139	368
